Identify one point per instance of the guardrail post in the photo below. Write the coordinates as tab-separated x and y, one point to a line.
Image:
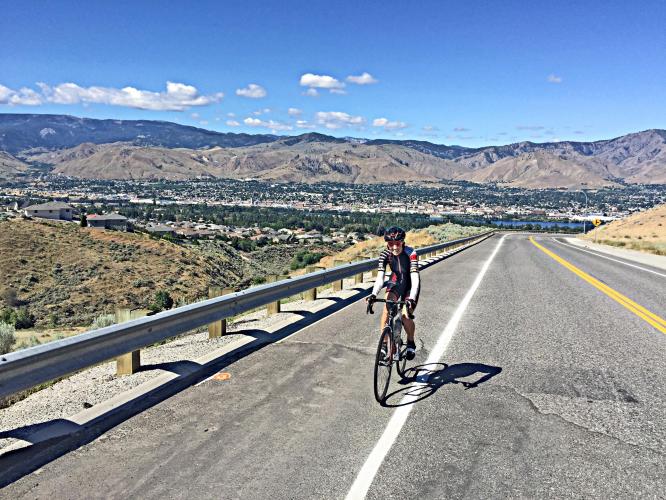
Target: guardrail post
337	285
273	307
129	363
358	278
310	294
218	328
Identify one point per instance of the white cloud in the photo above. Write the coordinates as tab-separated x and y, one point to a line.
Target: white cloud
554	78
22	97
430	128
337	119
364	79
270	124
295	112
195	116
252	91
231	115
305	124
461	129
233	123
387	124
177	97
314	82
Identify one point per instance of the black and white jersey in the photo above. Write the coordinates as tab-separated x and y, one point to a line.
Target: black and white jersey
404	271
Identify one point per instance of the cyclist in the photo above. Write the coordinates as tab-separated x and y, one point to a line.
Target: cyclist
403	284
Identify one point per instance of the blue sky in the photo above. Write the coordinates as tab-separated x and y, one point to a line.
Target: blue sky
467	72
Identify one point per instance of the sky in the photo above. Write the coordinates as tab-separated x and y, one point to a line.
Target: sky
465	72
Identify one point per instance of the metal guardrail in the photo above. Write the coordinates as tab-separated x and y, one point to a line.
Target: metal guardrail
35	365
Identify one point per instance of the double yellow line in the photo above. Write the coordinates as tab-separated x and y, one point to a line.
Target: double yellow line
656	321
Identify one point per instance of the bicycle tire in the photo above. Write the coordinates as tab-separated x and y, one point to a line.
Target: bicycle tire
383	366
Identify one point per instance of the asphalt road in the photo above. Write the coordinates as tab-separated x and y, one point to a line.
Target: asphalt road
570	401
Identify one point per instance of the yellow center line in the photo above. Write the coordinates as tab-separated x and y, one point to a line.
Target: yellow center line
655	320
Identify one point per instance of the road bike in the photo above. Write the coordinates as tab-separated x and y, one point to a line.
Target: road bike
391	348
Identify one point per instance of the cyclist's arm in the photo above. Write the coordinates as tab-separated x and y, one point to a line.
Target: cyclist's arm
381	271
414	275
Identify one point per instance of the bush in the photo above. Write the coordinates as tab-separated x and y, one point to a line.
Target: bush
18	318
305	258
7	337
102	321
162	301
24	319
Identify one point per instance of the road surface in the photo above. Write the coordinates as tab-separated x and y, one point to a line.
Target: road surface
545	386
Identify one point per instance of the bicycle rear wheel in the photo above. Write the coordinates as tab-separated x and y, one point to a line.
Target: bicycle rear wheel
383	365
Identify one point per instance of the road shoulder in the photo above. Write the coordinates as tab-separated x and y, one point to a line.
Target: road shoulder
657	261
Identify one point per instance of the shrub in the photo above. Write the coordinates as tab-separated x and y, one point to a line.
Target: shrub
18	318
24	319
162	301
103	321
7	337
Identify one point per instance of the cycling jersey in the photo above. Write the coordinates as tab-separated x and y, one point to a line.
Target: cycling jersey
404	280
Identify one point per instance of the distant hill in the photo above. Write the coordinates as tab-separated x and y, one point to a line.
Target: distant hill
19	132
10	167
143	149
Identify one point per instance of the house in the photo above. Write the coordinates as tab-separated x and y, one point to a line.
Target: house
108	221
161	230
52	210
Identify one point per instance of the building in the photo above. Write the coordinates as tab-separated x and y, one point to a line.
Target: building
108	221
52	210
161	230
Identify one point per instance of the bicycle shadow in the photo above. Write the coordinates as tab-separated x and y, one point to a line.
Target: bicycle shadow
422	381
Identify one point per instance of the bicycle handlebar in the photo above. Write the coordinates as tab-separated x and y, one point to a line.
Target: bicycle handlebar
398	303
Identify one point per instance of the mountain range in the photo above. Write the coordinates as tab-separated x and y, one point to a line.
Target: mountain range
144	149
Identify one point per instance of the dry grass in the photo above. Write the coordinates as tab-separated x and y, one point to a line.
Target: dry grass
643	231
418	238
68	275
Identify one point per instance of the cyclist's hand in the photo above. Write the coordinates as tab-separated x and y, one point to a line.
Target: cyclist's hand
370	299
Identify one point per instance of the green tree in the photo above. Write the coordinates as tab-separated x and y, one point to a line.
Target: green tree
162	301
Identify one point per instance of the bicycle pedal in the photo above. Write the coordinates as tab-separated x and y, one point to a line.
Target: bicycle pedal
396	356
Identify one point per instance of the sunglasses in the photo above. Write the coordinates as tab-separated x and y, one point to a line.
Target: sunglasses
394	243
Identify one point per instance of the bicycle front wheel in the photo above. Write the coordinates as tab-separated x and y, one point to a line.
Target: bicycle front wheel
383	365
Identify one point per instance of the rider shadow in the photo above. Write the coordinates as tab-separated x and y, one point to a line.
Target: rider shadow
422	381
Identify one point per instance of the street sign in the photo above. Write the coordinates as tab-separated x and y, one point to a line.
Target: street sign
596	222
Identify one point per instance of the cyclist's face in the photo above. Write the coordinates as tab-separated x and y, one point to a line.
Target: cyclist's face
395	247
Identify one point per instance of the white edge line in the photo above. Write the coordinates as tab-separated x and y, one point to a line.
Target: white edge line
366	475
610	258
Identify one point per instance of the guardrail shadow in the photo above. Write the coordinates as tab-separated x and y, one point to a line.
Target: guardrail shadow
55	438
424	380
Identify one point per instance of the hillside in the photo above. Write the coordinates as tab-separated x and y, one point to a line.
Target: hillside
542	168
76	273
20	132
10	167
144	149
645	231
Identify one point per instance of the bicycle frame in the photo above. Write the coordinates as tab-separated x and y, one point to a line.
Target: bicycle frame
394	321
